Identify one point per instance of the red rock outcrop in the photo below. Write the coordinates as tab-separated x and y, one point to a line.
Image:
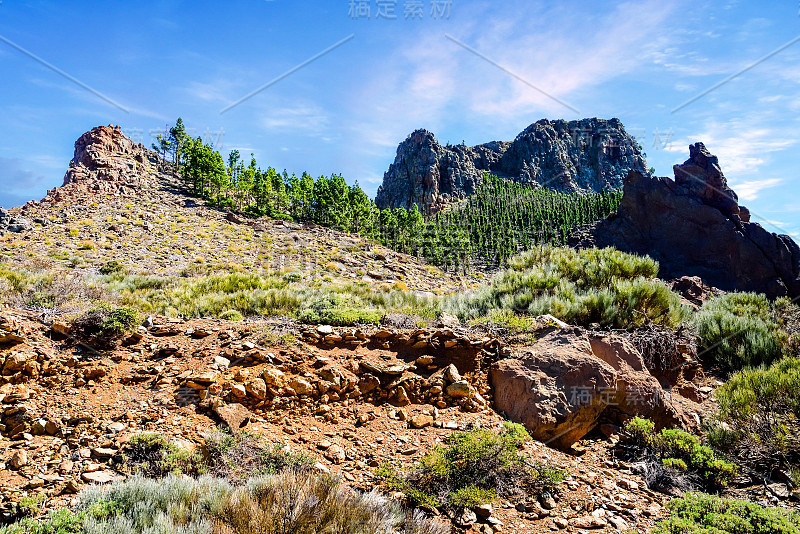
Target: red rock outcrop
694	226
108	162
561	386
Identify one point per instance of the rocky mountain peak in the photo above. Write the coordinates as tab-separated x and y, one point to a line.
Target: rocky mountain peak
702	176
582	155
106	161
694	226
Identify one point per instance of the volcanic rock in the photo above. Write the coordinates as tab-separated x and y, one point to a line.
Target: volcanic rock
106	161
585	155
693	226
560	386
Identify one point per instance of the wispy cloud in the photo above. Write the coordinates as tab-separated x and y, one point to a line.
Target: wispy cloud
750	189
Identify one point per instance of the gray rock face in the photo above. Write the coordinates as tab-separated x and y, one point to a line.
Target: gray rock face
14	224
584	155
694	226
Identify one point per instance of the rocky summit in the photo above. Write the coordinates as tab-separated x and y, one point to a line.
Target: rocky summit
582	155
694	226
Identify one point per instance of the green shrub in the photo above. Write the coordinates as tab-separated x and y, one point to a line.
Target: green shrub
470	497
602	286
231	315
698	513
112	267
106	322
472	466
672	443
738	330
763	404
338	310
675	463
151	454
238	457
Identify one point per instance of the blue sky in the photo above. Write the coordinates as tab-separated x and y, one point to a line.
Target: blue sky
346	111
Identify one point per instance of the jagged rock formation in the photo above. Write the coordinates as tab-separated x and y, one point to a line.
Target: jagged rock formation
694	226
585	155
106	161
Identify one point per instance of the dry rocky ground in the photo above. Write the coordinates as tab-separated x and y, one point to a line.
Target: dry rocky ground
68	409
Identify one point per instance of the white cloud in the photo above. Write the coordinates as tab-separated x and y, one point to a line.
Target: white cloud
743	146
749	190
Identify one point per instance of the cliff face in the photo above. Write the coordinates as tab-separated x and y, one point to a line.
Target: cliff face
585	155
694	226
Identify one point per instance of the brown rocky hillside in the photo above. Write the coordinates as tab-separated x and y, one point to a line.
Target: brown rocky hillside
121	230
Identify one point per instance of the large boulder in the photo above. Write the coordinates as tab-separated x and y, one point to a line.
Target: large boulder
559	387
582	155
694	226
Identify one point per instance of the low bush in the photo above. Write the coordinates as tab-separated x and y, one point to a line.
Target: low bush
338	310
739	330
602	286
238	457
698	513
152	455
106	322
479	465
763	404
285	503
675	448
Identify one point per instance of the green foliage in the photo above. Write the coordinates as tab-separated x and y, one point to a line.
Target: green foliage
504	218
473	466
107	322
738	330
603	286
231	315
151	454
112	267
675	444
338	310
641	431
763	404
470	497
61	521
237	457
675	463
698	513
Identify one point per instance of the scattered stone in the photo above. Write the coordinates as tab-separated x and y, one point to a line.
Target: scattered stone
235	416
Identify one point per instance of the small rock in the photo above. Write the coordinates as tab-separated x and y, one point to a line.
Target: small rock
18	460
484	510
335	454
421	421
234	415
100	477
459	390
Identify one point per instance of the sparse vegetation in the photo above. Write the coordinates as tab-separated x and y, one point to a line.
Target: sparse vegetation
106	322
739	330
698	513
602	286
472	468
763	404
681	451
287	503
153	455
